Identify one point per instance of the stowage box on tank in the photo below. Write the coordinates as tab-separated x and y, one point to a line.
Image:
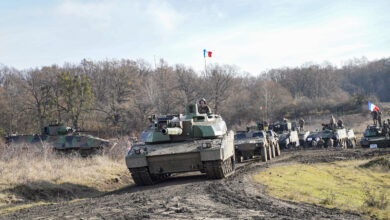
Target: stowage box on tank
182	143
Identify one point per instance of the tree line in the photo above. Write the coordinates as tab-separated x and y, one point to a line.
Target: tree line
115	97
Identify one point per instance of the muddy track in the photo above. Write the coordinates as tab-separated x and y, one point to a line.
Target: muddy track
194	196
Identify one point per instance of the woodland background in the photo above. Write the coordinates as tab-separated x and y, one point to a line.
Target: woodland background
114	97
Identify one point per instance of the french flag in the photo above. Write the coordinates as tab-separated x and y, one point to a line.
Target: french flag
207	53
372	107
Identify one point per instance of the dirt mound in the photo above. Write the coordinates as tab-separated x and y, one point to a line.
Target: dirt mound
49	192
382	164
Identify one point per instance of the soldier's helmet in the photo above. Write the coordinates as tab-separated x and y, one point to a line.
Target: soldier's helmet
202	99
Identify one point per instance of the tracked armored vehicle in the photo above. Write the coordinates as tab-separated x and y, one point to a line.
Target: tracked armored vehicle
63	139
374	137
288	137
182	143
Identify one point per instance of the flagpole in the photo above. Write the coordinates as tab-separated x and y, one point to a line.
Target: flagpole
204	65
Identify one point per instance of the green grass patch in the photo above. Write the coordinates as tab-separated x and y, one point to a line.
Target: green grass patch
358	185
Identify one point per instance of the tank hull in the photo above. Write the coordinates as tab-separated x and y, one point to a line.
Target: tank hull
179	157
375	142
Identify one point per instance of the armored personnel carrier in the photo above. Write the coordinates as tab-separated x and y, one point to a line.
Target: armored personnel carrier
182	143
63	138
288	137
374	137
256	141
247	144
332	136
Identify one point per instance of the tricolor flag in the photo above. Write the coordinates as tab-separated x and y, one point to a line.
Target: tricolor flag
207	53
372	107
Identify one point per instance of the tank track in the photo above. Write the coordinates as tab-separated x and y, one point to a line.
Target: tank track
219	169
142	176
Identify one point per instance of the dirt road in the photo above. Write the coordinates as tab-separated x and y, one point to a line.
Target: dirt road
194	196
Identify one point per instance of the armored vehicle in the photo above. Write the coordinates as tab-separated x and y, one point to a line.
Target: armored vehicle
256	140
332	137
288	137
63	138
302	136
374	137
182	143
247	144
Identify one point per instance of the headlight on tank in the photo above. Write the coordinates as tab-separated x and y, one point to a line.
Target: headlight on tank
309	139
318	139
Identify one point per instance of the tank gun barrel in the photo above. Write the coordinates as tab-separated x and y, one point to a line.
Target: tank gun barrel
172	131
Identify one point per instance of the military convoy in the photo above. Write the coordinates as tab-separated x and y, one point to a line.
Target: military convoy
200	141
375	137
63	139
182	143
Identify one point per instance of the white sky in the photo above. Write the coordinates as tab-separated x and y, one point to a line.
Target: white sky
253	35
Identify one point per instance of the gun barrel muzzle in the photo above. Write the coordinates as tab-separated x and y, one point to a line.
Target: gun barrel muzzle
172	131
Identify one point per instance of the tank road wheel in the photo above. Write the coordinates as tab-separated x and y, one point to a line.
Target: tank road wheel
263	154
273	153
219	169
142	176
277	149
239	158
329	143
350	143
269	153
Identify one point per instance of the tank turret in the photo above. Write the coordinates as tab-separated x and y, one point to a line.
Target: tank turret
192	125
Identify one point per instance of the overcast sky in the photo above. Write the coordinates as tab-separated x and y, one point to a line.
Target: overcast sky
253	35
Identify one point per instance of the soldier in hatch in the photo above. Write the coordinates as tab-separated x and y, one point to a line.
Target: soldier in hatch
374	115
332	123
301	124
380	118
203	108
340	123
385	129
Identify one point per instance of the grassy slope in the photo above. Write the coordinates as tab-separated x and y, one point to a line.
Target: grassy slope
345	185
33	178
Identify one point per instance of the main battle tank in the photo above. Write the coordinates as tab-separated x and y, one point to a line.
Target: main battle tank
63	138
374	138
182	143
288	137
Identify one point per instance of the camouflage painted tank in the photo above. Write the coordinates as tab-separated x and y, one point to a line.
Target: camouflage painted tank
63	139
374	138
288	137
182	143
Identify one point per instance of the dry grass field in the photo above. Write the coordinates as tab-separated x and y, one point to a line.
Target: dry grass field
357	185
37	175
